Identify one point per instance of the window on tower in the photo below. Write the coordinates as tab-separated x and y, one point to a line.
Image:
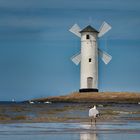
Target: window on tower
87	36
89	60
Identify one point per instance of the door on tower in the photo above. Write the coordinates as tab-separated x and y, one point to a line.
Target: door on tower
89	82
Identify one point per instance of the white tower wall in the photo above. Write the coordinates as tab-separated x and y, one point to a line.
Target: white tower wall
89	62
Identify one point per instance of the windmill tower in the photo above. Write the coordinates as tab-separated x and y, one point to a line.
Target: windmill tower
89	55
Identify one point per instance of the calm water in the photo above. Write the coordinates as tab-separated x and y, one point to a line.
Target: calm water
70	131
67	121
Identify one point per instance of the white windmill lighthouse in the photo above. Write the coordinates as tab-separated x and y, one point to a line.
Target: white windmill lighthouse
89	55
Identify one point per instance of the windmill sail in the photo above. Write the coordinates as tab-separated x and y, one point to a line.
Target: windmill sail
76	58
104	56
105	27
75	29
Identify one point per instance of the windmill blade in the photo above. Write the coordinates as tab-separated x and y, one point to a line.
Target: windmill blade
76	58
104	56
75	29
105	27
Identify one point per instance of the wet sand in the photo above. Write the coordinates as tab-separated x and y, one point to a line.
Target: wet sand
66	112
69	121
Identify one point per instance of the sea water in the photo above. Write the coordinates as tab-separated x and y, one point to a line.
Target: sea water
68	121
70	131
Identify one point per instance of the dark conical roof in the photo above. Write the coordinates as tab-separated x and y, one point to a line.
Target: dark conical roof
89	29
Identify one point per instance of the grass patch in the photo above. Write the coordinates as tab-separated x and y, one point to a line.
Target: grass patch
115	97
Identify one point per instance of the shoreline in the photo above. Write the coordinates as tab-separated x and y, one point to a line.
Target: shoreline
67	112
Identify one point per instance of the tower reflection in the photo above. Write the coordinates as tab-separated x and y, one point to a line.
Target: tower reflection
90	133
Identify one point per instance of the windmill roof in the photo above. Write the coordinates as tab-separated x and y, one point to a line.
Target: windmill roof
89	29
